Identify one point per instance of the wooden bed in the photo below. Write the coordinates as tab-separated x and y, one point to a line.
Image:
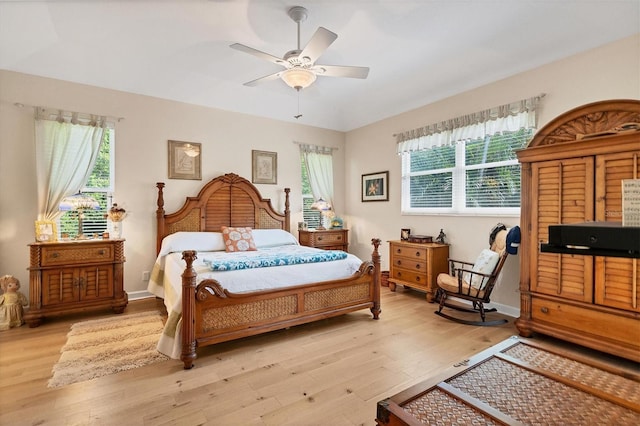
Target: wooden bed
211	314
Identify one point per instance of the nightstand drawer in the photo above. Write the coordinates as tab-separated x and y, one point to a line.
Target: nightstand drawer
328	239
92	253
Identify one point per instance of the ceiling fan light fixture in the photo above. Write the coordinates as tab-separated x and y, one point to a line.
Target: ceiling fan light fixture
298	78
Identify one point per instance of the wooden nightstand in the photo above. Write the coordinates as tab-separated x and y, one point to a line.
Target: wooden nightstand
328	239
75	276
417	265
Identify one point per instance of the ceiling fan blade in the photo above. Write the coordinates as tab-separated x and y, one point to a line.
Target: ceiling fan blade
320	41
269	77
341	71
259	54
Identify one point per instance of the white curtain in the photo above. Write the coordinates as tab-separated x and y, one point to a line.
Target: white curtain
510	117
67	147
319	163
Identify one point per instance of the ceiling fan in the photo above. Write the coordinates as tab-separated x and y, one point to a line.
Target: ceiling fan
300	67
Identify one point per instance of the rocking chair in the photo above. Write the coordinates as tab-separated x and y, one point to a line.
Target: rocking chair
474	282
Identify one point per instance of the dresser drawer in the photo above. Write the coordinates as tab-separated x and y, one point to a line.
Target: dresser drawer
75	254
328	238
586	319
419	279
409	252
416	265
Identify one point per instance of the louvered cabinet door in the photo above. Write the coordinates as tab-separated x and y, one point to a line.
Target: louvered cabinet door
565	195
617	279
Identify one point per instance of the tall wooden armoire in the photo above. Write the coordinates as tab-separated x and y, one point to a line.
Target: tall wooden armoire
571	173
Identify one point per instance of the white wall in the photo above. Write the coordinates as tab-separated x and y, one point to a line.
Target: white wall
141	160
609	72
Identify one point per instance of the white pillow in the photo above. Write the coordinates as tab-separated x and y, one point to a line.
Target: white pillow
273	237
485	263
199	241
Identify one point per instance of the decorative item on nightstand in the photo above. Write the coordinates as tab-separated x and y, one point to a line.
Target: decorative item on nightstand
79	203
337	223
116	216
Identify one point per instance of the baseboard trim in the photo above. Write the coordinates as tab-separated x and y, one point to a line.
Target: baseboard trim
506	309
138	295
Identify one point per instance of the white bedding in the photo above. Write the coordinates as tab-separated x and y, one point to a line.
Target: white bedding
166	280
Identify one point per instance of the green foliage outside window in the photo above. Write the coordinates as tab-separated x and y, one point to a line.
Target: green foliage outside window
98	186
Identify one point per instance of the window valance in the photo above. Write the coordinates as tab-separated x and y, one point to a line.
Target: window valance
508	117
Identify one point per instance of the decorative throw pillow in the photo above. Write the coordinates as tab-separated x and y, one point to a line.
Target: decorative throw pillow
485	263
238	239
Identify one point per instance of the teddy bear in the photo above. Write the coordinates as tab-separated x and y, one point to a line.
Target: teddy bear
11	303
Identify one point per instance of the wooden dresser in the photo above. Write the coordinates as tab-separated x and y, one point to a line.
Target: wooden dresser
328	239
571	178
75	276
417	265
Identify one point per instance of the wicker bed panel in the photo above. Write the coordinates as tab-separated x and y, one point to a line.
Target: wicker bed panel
248	313
265	221
190	223
335	296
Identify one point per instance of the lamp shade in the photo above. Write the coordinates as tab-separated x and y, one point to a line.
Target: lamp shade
321	205
298	78
78	201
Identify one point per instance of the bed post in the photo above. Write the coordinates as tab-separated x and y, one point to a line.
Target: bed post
287	213
159	217
188	354
375	258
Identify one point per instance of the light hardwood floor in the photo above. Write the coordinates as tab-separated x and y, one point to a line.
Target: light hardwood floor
332	372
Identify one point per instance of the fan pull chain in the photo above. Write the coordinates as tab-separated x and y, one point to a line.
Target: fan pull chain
297	116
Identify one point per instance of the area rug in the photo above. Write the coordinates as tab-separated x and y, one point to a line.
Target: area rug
520	382
106	346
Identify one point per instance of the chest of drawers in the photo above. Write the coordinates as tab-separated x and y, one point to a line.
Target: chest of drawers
417	265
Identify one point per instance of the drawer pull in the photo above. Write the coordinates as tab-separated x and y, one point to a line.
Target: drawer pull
339	237
398	262
544	310
398	251
417	266
319	238
417	279
55	254
417	254
102	252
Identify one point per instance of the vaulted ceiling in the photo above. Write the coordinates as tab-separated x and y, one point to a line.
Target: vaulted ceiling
417	51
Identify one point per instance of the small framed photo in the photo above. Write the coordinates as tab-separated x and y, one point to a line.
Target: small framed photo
264	167
46	231
404	234
185	160
375	186
303	226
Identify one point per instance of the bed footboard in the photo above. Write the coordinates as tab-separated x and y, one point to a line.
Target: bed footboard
211	314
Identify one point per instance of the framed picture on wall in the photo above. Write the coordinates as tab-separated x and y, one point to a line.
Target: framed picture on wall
264	167
184	160
375	186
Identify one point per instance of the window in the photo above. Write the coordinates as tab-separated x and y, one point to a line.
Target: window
99	187
311	217
473	177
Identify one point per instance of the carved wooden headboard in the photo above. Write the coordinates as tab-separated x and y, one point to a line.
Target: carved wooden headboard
228	200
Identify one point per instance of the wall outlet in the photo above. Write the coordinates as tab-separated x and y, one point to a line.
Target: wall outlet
146	275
